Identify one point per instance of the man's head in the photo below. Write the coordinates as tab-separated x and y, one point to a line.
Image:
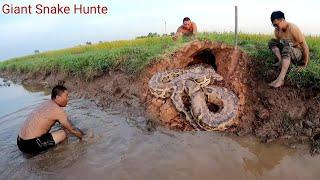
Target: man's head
277	19
59	95
187	23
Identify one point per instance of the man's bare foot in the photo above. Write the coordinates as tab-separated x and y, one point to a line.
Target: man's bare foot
276	64
272	83
277	83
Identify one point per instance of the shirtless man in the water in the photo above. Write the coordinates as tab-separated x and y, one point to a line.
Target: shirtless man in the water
34	135
188	28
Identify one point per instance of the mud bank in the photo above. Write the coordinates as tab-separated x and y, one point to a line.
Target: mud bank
288	113
114	89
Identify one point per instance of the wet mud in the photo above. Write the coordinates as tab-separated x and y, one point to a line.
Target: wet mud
288	114
121	147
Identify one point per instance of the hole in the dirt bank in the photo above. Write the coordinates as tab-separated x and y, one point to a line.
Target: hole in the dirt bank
205	56
316	137
117	91
214	107
186	101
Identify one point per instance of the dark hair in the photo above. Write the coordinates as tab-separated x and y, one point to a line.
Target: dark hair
277	15
57	91
186	19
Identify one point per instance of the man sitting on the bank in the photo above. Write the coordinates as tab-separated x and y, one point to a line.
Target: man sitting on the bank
188	28
289	46
34	136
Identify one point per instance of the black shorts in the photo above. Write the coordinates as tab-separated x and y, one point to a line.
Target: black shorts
36	145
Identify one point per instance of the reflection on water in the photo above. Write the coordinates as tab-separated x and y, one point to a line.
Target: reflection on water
125	148
16	97
266	156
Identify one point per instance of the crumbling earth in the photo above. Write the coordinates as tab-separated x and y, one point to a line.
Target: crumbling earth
288	113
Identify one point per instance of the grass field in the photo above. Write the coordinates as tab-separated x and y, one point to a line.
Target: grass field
133	55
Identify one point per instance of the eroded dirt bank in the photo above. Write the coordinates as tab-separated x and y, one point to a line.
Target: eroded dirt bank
288	113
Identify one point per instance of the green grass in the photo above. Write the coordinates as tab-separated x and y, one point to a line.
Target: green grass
133	55
90	60
256	45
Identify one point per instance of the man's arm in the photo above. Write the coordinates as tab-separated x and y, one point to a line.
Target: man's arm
73	130
305	52
299	37
67	125
194	28
179	31
178	34
276	34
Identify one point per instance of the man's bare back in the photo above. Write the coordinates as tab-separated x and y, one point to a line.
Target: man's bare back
34	136
41	120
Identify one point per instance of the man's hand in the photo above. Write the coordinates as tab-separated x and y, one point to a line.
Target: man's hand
82	133
299	68
79	133
75	131
177	35
175	38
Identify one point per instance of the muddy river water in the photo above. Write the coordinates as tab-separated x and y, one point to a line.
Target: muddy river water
129	148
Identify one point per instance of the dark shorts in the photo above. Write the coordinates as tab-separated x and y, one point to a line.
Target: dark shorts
287	51
36	145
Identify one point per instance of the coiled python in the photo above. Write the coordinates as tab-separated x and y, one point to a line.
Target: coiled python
194	82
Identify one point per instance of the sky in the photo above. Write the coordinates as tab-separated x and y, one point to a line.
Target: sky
22	34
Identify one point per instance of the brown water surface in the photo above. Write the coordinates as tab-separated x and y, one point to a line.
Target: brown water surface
130	148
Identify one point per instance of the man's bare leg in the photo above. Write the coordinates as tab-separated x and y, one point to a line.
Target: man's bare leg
277	53
59	136
284	69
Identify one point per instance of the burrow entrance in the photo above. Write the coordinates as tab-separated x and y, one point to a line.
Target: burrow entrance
209	53
205	56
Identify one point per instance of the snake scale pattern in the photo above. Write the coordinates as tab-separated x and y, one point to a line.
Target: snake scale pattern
195	82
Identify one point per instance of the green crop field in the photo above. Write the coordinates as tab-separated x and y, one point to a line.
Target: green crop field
133	55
